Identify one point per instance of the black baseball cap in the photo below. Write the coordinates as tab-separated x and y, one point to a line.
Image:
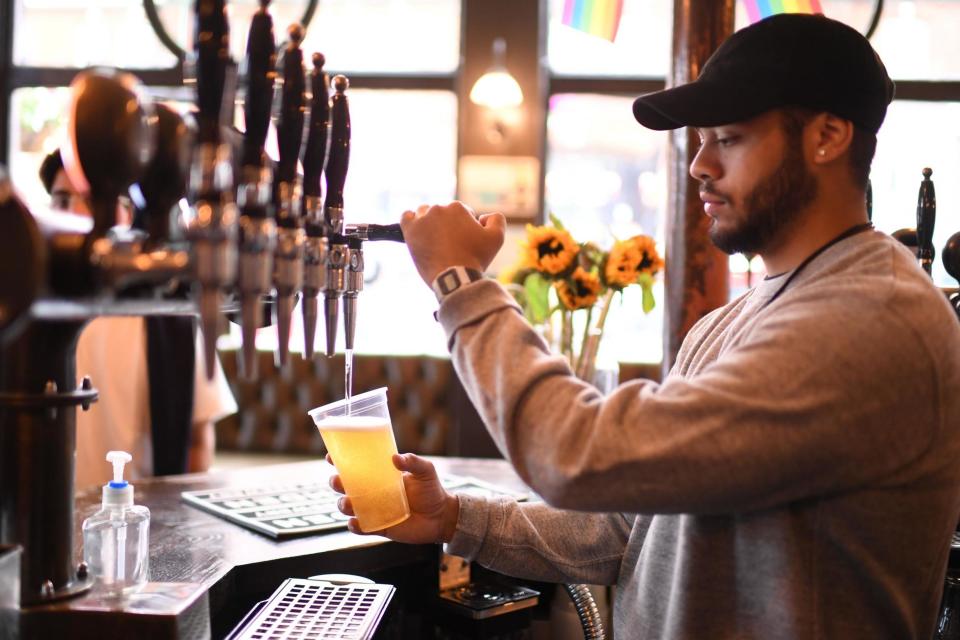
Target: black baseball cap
791	59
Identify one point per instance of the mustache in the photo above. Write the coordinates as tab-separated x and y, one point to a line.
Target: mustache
707	188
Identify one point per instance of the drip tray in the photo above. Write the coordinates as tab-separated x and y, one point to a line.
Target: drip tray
314	610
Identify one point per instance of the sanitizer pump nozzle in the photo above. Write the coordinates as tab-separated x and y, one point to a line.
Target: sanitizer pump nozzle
118	492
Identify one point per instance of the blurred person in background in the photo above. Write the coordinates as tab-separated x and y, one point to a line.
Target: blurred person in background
155	400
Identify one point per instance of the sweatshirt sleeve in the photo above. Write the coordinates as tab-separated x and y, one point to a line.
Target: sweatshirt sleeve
536	542
805	406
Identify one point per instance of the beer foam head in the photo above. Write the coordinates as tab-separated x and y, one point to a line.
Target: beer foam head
353	423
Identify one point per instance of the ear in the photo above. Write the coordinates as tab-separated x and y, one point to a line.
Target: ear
830	137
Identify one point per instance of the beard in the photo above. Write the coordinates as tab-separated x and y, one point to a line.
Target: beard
771	207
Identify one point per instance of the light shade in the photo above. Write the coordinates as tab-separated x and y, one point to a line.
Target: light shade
496	89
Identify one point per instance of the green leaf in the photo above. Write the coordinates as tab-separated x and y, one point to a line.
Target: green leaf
648	301
555	221
537	289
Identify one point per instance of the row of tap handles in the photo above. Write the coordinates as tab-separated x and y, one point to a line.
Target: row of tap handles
281	235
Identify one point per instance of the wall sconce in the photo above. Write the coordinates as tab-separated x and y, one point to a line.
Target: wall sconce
497	90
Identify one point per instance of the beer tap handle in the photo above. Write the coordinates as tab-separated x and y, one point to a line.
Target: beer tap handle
213	230
164	182
258	234
339	158
951	262
391	232
926	219
261	62
212	50
290	121
314	159
315	153
336	175
111	139
288	263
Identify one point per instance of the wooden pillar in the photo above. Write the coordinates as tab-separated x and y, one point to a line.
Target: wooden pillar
697	273
6	63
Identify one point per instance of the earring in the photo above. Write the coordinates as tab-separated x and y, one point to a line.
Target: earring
821	152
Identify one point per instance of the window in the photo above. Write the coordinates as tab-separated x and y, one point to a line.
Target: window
394	310
404	131
83	33
605	174
641	48
412	36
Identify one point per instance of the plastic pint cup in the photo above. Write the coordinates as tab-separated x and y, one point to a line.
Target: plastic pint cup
360	440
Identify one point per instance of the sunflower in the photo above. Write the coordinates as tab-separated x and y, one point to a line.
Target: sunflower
650	260
549	250
580	291
629	259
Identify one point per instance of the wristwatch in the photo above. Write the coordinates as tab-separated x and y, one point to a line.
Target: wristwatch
453	278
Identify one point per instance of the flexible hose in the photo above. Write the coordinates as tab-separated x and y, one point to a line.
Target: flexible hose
587	611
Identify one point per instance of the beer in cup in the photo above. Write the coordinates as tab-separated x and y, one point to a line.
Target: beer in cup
359	437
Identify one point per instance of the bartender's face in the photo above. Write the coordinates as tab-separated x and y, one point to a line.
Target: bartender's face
63	197
753	181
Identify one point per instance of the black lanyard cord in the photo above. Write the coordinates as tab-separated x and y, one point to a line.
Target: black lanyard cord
852	231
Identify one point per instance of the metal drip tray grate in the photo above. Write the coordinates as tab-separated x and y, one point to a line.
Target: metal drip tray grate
314	610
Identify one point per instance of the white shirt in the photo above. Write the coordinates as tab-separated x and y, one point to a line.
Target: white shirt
113	352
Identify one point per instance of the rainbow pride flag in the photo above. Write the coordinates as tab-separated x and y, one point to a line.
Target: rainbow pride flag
759	9
597	17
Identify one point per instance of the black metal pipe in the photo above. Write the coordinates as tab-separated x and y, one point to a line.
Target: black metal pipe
37	442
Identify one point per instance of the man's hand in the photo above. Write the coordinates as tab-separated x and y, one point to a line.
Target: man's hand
433	511
452	235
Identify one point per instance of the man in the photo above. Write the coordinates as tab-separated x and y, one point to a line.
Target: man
150	377
796	475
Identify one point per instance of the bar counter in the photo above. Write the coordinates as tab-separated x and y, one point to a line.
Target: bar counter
206	573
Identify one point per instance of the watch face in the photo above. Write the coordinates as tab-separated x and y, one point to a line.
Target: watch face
448	281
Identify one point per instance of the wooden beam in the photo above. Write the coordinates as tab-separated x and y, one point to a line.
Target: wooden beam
697	273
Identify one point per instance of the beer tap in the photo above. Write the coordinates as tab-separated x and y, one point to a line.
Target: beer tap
926	218
258	232
213	230
288	260
951	262
164	181
336	175
314	159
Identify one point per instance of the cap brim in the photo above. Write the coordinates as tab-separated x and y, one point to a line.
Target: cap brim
699	104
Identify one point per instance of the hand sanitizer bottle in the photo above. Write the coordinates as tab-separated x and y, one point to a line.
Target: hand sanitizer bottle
116	538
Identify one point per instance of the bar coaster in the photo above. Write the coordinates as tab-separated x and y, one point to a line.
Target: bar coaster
309	609
291	510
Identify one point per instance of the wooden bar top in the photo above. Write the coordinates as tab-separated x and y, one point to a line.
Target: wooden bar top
206	572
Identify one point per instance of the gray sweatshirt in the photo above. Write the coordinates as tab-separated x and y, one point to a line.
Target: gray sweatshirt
797	475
